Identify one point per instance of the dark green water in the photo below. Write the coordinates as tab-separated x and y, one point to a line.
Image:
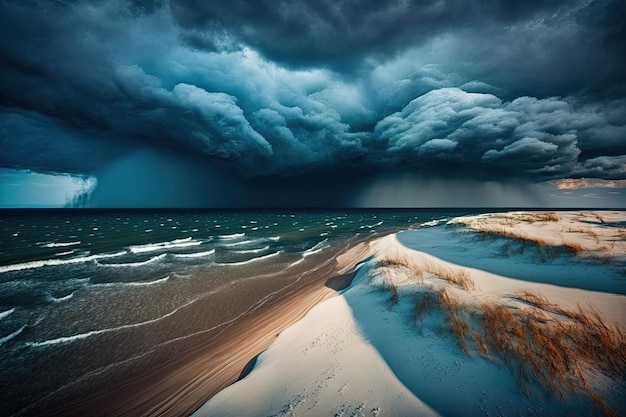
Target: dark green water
85	293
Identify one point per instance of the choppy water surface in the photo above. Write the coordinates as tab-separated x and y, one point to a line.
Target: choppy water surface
82	293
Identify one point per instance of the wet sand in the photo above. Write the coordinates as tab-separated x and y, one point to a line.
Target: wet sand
178	386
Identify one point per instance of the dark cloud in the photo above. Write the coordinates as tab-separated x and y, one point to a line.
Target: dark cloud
338	34
527	137
268	93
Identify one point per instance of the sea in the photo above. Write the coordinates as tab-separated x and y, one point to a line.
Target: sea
90	297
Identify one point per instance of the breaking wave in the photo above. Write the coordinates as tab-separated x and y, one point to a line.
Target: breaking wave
264	248
12	335
233	236
54	299
60	244
6	313
176	243
132	283
195	255
80	336
135	264
259	258
56	262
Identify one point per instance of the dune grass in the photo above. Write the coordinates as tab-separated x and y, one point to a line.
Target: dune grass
519	243
543	344
558	354
540	217
459	277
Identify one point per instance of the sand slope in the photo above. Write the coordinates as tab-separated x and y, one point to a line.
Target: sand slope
366	353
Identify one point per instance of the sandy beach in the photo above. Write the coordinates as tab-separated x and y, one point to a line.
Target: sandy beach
498	314
494	314
179	386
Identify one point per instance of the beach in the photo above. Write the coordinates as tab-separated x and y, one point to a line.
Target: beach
482	314
497	314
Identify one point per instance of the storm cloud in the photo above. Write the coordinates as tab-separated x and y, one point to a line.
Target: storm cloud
263	93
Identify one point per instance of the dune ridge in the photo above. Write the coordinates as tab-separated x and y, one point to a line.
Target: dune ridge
418	334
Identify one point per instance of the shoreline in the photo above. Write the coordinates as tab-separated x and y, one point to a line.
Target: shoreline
419	334
181	386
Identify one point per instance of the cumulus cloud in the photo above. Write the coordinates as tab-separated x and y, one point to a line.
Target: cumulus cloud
527	137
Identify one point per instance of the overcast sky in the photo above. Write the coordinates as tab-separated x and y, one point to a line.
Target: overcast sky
240	103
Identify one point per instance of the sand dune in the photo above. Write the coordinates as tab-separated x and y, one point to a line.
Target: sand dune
501	314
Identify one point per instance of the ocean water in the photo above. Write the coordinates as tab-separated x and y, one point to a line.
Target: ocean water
87	298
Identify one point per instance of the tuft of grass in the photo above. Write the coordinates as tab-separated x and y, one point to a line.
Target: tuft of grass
509	219
394	262
543	345
402	263
457	319
541	217
388	284
519	243
459	278
554	353
426	302
598	217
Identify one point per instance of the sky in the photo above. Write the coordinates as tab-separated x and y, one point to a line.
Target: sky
325	103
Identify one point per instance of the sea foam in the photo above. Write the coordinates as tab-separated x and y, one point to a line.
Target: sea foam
80	336
195	255
176	243
132	283
316	248
259	250
54	299
135	264
259	258
233	236
6	313
60	244
12	335
56	262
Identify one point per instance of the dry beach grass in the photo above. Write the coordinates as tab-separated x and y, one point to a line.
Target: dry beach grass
542	344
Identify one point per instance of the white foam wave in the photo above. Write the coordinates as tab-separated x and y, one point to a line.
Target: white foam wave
54	299
69	252
264	248
80	336
136	264
132	283
55	262
252	241
176	243
295	263
233	236
60	244
371	226
6	313
433	223
243	242
258	258
195	255
316	248
12	335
